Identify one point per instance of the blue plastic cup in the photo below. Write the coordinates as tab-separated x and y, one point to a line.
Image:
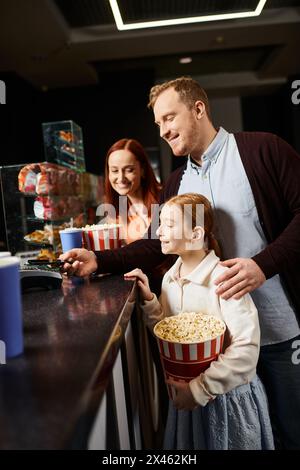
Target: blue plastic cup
70	238
11	328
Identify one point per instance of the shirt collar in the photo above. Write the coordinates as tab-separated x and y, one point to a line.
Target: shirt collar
212	152
199	274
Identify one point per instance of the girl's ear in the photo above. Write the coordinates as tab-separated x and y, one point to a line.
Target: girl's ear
198	233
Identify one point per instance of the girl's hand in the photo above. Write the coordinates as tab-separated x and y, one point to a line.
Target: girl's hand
142	282
184	398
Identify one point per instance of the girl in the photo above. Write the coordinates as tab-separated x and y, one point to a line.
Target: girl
226	406
128	173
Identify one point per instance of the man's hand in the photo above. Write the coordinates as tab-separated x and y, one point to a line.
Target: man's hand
243	276
184	398
83	264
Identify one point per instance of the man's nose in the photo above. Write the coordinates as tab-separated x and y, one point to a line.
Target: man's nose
164	131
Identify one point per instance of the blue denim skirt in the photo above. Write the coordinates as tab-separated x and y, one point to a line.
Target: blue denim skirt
237	420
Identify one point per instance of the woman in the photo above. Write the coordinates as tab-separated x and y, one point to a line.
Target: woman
130	187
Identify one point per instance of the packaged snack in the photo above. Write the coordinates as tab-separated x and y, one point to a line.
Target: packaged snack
27	178
56	208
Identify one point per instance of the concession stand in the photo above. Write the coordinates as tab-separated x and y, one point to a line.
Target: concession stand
86	379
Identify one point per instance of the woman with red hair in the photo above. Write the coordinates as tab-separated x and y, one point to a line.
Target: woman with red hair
130	187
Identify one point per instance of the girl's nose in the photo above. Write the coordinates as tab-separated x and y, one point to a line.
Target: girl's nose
158	231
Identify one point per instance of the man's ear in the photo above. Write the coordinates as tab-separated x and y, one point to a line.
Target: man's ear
198	233
199	108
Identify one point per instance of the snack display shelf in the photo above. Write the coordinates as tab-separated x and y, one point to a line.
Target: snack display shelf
63	162
66	152
39	244
71	143
49	194
27	195
32	218
26	210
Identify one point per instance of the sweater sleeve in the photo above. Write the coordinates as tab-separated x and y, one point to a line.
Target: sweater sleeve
152	312
237	364
283	252
145	254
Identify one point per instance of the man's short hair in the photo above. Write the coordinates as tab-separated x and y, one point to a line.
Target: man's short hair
188	89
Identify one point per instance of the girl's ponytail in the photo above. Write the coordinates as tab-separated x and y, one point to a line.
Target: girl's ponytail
213	244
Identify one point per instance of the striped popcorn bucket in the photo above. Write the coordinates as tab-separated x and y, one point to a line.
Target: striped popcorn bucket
184	361
103	237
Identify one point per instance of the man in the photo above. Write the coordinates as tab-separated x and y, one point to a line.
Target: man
252	181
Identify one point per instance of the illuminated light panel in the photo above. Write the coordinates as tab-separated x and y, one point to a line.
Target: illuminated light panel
175	21
185	60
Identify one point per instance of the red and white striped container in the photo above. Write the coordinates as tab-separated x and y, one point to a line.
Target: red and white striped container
184	361
102	237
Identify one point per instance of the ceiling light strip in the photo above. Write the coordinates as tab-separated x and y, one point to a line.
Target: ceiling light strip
176	21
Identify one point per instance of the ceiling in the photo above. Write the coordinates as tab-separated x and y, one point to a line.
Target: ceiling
62	43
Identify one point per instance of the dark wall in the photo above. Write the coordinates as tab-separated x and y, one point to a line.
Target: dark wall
115	108
20	129
274	113
295	112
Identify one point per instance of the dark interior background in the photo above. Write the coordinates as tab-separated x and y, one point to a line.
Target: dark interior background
115	108
65	59
106	112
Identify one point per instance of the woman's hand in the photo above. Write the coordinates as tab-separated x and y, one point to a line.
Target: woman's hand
184	399
84	262
142	282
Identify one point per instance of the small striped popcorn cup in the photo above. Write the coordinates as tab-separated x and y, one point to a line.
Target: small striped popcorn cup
183	359
102	237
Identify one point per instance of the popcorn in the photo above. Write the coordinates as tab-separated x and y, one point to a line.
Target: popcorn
189	327
188	343
102	237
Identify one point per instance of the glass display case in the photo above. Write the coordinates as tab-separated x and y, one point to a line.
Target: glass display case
63	144
39	199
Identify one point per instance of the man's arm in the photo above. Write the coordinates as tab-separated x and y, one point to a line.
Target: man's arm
145	254
283	252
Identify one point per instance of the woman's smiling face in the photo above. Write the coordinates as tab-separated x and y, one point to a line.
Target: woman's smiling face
125	172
